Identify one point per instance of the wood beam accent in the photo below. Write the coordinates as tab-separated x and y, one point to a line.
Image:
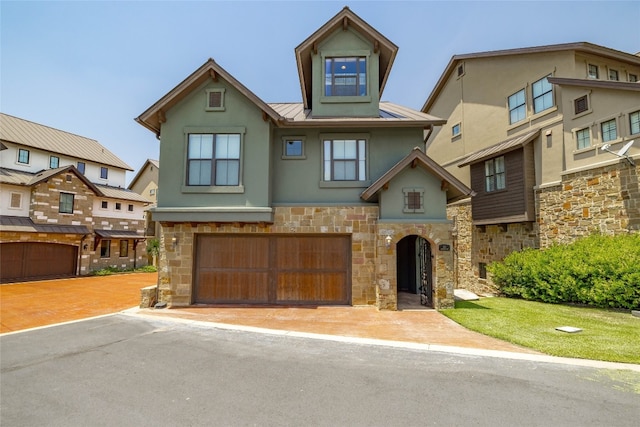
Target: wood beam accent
376	46
265	117
315	48
444	185
414	163
385	187
345	23
213	75
161	117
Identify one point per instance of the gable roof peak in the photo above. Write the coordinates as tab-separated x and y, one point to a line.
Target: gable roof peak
344	19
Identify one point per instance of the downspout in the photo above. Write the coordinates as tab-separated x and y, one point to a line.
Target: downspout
426	137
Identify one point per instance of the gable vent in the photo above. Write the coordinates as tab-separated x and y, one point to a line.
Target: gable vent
215	99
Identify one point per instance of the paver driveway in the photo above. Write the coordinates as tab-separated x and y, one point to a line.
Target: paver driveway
30	304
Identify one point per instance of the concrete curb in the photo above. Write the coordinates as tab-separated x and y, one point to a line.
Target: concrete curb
135	312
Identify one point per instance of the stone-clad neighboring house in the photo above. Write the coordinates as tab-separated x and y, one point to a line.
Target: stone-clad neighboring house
64	210
528	129
327	201
145	183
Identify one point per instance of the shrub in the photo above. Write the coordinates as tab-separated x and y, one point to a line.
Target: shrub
601	271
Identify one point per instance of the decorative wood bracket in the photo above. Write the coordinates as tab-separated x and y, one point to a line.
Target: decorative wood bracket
315	48
265	117
414	163
161	117
376	47
385	187
213	75
444	185
345	23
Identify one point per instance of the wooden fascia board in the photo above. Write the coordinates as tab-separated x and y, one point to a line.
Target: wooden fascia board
353	124
68	169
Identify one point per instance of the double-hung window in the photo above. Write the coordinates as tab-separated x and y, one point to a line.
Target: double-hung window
609	130
345	76
104	173
213	160
66	203
23	156
344	160
494	174
54	162
81	167
517	107
583	138
542	95
634	122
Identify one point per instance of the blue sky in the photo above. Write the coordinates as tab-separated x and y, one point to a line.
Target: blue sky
91	67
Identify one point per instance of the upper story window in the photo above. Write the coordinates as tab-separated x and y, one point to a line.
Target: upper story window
613	75
581	104
633	78
130	208
104	204
293	148
118	206
494	174
609	130
54	162
23	156
345	76
66	203
152	192
344	160
455	129
542	95
213	159
634	122
215	100
104	173
517	107
81	167
593	71
583	138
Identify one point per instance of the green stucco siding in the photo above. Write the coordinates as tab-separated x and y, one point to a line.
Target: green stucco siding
345	43
392	201
190	115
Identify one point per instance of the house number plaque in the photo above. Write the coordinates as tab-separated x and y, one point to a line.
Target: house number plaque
444	248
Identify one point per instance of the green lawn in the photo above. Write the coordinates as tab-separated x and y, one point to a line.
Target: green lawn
607	335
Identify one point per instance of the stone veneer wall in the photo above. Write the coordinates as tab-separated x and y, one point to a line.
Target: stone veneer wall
175	274
386	262
45	201
601	200
372	263
137	258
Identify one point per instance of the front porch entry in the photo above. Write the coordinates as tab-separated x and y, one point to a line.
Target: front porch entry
414	272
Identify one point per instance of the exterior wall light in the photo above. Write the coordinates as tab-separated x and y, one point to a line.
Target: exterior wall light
387	241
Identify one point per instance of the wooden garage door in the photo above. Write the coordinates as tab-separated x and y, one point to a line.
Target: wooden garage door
35	261
260	269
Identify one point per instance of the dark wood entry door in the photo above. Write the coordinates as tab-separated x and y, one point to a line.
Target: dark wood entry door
36	261
268	269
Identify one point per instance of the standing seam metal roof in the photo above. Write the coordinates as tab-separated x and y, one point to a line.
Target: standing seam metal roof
29	134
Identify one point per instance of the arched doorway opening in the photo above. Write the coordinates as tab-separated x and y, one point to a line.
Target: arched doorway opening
414	271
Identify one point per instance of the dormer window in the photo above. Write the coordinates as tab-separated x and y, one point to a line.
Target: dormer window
346	76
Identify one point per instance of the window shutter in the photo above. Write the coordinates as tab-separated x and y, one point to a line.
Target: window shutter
215	99
16	200
581	104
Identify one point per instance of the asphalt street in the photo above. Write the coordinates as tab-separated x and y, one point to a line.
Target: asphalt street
125	370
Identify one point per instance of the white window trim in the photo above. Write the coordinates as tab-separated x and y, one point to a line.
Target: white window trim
597	71
346	184
28	163
609	70
11	194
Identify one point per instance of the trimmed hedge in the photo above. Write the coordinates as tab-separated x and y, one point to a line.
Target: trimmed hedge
600	271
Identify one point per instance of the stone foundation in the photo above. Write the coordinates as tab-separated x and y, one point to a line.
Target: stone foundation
373	280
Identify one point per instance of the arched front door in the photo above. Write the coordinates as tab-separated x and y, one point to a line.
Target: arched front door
414	268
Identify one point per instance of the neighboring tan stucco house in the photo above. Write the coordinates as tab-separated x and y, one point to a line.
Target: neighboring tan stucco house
526	130
325	201
145	183
64	210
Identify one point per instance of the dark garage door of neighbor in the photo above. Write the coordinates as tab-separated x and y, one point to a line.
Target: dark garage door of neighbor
272	269
36	261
